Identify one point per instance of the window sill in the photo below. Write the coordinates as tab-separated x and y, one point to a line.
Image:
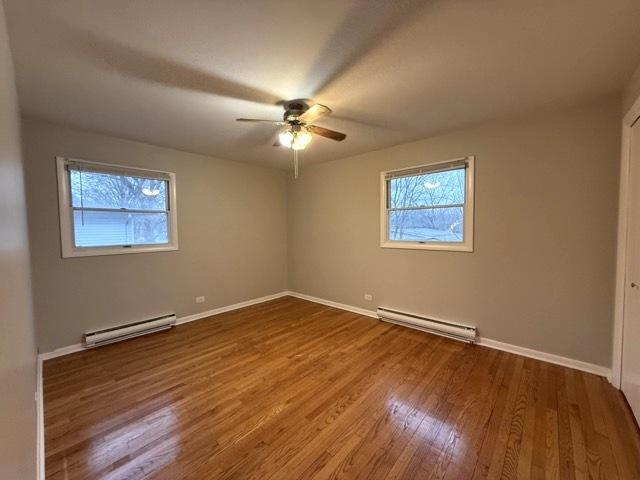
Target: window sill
447	247
95	252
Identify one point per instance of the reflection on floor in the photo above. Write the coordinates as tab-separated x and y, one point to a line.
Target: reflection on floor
291	389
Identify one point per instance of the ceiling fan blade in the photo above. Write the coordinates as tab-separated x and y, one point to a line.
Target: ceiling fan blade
277	143
314	112
325	132
275	122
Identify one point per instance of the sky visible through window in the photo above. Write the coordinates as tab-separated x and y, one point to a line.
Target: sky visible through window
427	207
114	210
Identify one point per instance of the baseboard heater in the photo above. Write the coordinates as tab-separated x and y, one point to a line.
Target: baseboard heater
130	330
456	331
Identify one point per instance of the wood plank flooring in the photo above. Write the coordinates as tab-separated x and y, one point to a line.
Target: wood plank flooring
291	389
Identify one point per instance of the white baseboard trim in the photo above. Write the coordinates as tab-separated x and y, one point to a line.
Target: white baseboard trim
329	303
486	342
228	308
59	352
78	347
547	357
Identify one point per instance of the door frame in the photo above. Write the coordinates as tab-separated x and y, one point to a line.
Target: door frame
621	254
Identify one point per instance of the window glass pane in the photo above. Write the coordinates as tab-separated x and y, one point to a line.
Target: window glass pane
439	188
428	225
106	190
102	229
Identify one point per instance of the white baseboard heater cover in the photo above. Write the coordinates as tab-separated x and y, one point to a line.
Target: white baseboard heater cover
130	330
456	331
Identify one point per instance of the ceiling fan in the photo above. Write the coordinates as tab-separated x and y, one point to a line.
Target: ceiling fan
298	127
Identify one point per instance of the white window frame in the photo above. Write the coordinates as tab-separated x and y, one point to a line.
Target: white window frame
468	210
66	211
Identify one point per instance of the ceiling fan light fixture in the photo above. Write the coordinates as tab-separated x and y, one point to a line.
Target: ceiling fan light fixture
295	139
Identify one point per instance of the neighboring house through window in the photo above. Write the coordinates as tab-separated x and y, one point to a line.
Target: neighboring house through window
111	209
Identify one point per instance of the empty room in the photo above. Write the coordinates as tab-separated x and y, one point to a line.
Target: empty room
350	239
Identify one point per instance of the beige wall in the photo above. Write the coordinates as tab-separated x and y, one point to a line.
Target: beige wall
542	272
231	224
631	91
541	275
17	349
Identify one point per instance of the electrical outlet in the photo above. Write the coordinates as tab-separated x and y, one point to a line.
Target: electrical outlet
368	297
199	299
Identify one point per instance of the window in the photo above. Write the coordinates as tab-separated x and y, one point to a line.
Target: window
110	209
429	207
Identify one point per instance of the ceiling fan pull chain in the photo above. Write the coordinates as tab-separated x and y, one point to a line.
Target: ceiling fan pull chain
295	164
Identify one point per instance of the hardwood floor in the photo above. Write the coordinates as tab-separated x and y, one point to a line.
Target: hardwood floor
291	389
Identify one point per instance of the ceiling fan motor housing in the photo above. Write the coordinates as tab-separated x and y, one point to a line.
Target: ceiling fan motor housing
293	109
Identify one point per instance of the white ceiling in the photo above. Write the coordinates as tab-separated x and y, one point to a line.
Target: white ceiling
178	73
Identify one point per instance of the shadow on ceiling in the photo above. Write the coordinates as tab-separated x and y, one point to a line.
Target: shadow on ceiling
366	27
149	67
